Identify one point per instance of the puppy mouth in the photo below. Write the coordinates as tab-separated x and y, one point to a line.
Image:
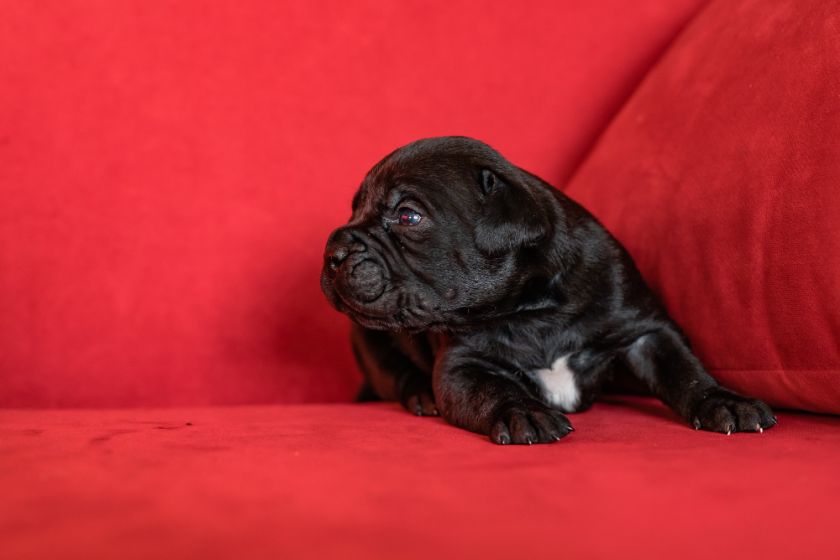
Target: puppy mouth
391	317
361	311
364	289
389	320
361	308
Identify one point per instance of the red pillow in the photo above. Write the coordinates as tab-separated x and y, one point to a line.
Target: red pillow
722	178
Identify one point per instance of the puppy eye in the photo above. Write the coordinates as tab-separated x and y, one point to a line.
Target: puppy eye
409	217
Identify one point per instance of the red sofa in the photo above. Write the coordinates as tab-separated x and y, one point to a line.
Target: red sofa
172	383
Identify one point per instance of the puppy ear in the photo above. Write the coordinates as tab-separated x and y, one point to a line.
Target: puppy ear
511	217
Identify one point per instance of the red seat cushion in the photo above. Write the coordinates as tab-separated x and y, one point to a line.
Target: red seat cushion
372	481
722	177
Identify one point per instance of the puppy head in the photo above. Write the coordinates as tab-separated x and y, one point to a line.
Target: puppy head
445	233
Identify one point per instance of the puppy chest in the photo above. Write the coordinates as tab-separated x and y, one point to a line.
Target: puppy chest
558	384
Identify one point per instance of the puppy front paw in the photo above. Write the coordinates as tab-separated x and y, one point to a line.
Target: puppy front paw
726	412
417	397
528	422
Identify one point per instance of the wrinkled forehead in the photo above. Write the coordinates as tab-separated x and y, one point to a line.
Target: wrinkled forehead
438	180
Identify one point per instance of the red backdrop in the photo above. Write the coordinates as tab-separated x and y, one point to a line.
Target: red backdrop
169	171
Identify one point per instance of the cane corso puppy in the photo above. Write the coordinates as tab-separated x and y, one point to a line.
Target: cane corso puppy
480	293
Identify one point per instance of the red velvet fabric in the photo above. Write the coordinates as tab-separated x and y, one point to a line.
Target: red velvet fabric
372	481
721	177
169	172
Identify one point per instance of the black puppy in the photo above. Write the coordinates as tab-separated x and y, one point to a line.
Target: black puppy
481	292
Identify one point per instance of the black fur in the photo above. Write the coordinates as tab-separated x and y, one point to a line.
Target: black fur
502	276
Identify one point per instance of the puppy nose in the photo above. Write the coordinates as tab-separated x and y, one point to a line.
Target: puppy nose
337	256
342	243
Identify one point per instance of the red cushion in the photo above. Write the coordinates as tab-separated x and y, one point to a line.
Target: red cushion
372	481
722	177
169	172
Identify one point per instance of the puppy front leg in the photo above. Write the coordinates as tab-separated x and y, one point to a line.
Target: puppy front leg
391	373
663	360
475	395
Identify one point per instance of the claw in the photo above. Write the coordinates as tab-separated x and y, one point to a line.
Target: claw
729	430
697	424
759	428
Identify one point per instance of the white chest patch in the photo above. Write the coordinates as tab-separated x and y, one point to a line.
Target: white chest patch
559	385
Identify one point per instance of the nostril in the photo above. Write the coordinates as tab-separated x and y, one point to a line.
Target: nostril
335	258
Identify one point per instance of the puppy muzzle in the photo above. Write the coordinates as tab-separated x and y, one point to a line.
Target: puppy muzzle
355	273
363	281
